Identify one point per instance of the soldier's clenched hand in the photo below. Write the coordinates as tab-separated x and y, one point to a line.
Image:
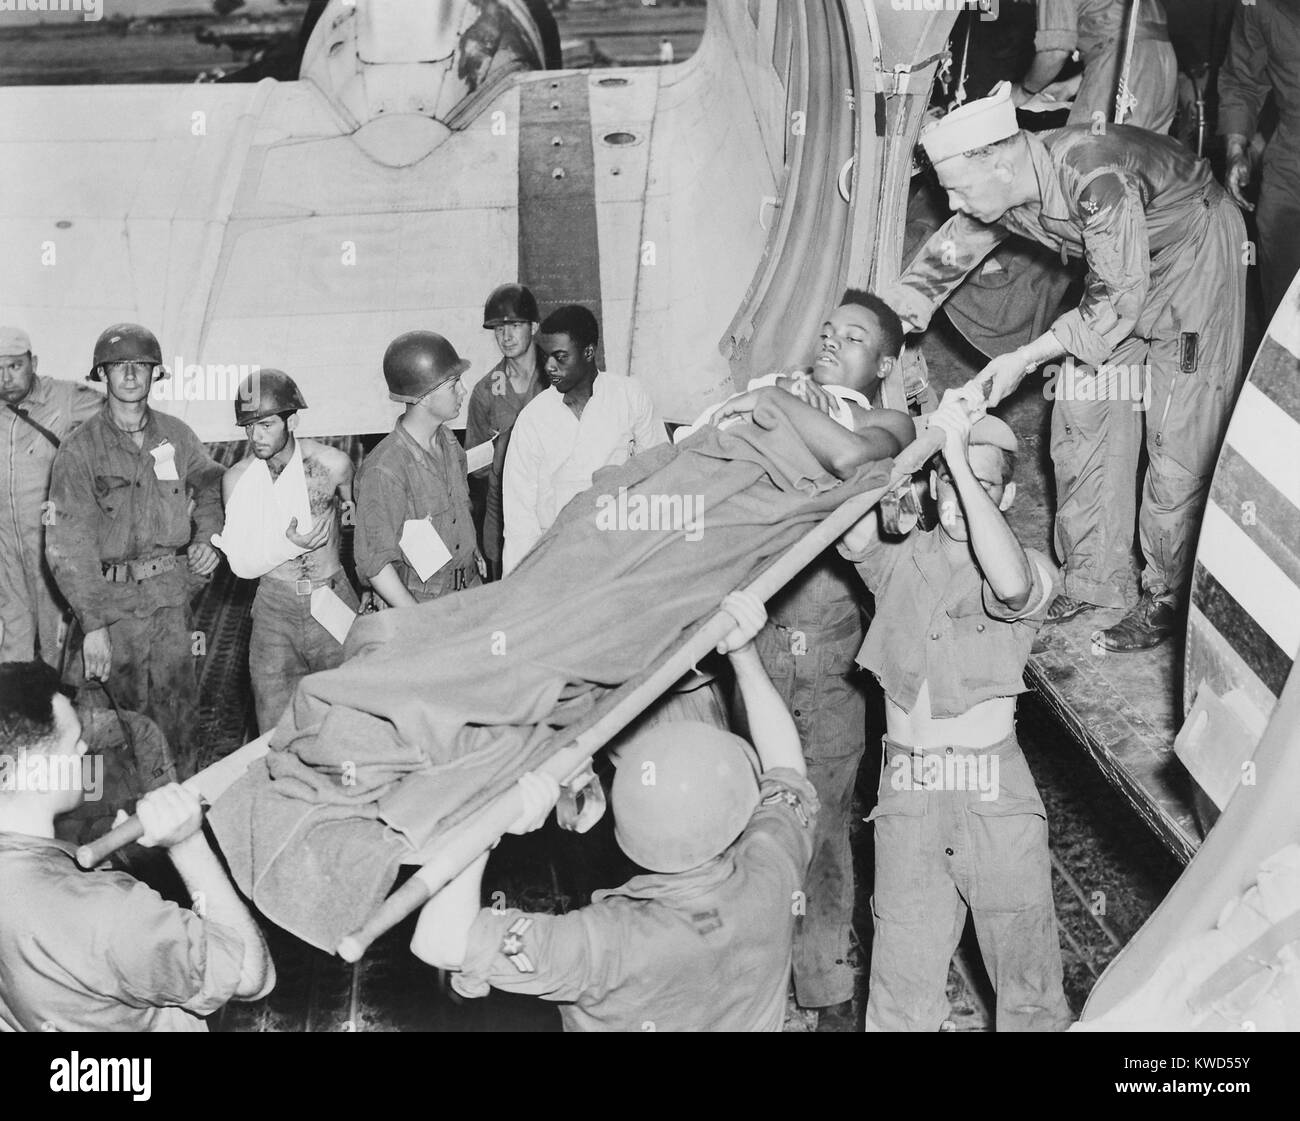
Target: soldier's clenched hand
203	559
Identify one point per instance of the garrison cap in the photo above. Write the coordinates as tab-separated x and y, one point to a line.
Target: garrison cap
13	341
973	125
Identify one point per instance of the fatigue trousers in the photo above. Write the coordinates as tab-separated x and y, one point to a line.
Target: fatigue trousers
1278	220
944	850
28	602
288	643
153	674
1186	400
826	697
823	974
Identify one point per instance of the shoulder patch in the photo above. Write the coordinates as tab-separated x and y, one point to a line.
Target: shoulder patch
512	945
1101	191
791	799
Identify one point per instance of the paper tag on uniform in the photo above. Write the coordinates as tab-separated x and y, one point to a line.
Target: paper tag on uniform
164	462
423	548
480	456
332	613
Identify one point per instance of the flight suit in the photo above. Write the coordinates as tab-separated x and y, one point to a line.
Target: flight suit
115	545
1164	298
401	481
1097	28
809	647
29	602
1263	55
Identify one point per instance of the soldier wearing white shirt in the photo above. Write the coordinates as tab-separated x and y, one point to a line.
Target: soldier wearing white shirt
586	420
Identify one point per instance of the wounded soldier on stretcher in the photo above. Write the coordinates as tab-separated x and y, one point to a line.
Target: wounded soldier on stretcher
857	350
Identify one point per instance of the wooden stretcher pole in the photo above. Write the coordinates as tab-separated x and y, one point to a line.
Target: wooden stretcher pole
456	849
209	784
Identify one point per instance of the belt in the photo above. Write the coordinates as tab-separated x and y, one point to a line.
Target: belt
461	575
1004	746
305	585
126	572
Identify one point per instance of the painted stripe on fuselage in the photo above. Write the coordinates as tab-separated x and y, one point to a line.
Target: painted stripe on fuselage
1224	668
1265	658
1268	439
559	251
1276	374
1251	578
1260	510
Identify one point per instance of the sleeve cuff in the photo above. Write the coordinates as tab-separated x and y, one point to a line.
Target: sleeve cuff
207	529
909	304
1052	39
374	562
786	778
1081	340
222	964
480	944
1043	588
852	557
1238	121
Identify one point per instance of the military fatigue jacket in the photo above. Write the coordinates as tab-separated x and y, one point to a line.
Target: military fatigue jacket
113	501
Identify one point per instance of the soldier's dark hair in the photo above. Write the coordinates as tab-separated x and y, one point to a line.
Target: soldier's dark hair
573	320
27	703
891	327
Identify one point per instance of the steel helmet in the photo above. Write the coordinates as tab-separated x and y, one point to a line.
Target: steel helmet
682	793
510	301
266	393
124	342
418	362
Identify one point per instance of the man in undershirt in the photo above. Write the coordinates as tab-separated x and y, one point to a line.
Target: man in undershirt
959	823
